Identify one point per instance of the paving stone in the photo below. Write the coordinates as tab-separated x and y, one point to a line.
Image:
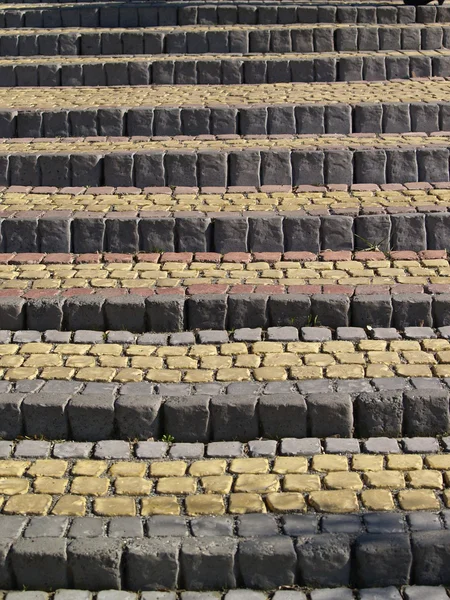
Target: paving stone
185	338
95	387
141	388
385	333
32	449
125	527
208	389
444	331
288	595
245	334
23	337
282	334
5	387
151	449
162	525
84	336
256	525
419	592
419	333
120	337
116	595
245	388
296	525
387	384
316	334
224	449
72	595
419	445
174	389
353	386
61	387
26	595
185	450
212	526
152	339
46	527
431	383
213	336
12	526
423	521
351	334
112	449
72	449
384	523
381	446
5	449
57	337
245	595
262	448
29	387
332	594
5	336
200	596
342	446
158	596
341	524
318	386
87	527
387	593
299	447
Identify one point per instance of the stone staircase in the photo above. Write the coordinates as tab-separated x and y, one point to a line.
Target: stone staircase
224	301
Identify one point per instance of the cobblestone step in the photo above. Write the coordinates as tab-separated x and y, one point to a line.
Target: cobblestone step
144	14
222	68
264	161
203	39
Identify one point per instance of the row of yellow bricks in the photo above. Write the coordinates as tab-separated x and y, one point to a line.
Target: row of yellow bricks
263	361
326	485
408	90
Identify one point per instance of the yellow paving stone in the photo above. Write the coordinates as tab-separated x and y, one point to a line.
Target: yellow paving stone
437	461
210	504
171	351
129	375
90	486
127	469
35	348
109	349
343	480
334	501
367	462
425	479
95	374
377	371
132	486
233	374
28	504
301	483
241	504
302	373
49	467
202	468
281	360
147	362
319	360
9	486
303	347
160	505
372	345
173	468
391	480
345	372
418	500
233	348
419	358
201	350
377	500
198	376
286	502
216	362
11	361
159	376
267	348
435	345
43	360
115	507
404	345
50	485
329	462
20	373
79	362
290	464
217	484
70	506
8	349
385	358
13	468
257	483
249	465
337	346
355	358
176	485
441	370
89	468
247	361
404	462
60	373
413	371
68	349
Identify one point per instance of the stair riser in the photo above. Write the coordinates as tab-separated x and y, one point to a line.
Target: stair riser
223	71
231	233
306	40
272	119
145	15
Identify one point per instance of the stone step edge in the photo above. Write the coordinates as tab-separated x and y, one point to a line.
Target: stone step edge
371	560
279	39
272	119
168	14
101	415
125	232
222	69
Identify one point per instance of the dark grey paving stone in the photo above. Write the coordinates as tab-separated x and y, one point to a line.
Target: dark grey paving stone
151	449
418	445
256	525
185	450
316	334
72	449
423	521
32	449
212	526
126	527
262	448
300	447
87	527
51	526
107	449
224	449
245	334
295	525
162	525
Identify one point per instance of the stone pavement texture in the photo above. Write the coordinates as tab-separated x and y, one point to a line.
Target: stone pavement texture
224	300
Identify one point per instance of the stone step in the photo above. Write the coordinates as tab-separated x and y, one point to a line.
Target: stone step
89	390
222	68
267	109
198	40
128	481
151	14
317	560
220	160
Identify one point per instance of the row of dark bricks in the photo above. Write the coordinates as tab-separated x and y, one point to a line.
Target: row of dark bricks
223	71
321	560
203	418
144	311
59	231
257	119
221	168
144	14
240	41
